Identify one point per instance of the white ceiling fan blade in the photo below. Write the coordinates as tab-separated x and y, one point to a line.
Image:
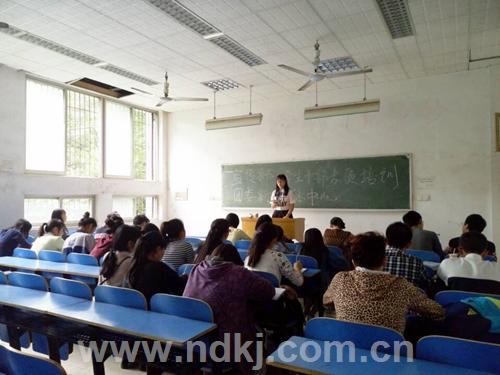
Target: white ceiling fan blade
161	102
306	85
349	73
292	69
180	99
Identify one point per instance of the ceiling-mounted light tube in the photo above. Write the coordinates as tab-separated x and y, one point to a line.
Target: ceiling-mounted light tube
211	36
342	109
234	121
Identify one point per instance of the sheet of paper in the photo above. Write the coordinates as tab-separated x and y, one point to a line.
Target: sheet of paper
278	293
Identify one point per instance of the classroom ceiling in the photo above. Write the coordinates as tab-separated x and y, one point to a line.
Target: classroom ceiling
137	36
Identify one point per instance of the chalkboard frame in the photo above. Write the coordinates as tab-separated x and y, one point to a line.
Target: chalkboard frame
309	209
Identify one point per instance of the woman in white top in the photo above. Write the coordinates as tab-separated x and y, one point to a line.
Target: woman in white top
50	236
261	257
282	198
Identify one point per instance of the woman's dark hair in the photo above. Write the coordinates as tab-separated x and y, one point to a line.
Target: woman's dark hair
368	250
144	247
314	245
218	230
227	253
263	219
233	220
338	222
286	188
260	243
398	235
140	219
58	214
121	238
172	229
47	228
150	227
113	222
23	226
279	233
87	220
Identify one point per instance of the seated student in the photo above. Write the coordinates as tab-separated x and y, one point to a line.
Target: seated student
104	235
229	289
422	239
14	236
178	251
470	264
261	257
369	295
219	230
118	260
281	241
50	236
82	241
150	227
140	221
263	219
337	236
397	262
473	223
148	274
60	214
235	234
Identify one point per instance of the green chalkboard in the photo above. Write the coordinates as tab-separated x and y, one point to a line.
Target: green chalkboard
376	183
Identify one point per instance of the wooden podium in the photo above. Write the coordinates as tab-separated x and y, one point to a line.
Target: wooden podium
293	228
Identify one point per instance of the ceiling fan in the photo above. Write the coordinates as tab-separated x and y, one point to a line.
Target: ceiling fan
318	75
166	98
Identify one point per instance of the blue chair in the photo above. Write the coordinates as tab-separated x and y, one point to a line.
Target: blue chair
84	259
3	278
362	335
185	269
448	297
30	239
269	277
195	242
19	252
51	256
307	261
71	288
294	247
453	351
336	250
13	361
243	254
120	296
183	307
490	258
243	244
426	256
28	280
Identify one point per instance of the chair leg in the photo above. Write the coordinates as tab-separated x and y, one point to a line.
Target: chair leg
54	345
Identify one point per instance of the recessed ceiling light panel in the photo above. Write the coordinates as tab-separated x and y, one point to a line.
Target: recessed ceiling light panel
340	64
221	84
396	14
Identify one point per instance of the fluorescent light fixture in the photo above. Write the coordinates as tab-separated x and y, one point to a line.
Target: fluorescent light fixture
339	64
214	35
342	109
221	84
234	121
396	14
237	50
128	74
100	64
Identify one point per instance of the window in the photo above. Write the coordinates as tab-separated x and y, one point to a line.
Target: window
128	207
39	210
144	148
118	140
83	135
44	128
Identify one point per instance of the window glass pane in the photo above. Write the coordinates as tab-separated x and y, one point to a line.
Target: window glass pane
124	206
128	207
83	135
118	135
143	144
45	135
76	207
39	210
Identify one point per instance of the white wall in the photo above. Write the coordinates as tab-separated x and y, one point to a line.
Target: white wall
14	184
444	121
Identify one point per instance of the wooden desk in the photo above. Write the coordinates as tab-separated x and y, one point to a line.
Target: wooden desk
293	228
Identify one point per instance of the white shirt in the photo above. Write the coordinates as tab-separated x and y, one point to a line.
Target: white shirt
283	201
278	264
471	266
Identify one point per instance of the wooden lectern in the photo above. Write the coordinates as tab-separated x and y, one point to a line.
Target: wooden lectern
293	228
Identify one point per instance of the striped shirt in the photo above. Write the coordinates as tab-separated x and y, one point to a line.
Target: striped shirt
178	253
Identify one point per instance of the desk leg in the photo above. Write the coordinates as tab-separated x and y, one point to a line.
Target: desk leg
96	365
54	349
14	337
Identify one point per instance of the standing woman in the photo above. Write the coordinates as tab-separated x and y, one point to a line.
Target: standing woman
60	214
282	198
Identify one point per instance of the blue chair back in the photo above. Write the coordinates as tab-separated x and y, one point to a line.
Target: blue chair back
269	277
307	261
30	239
185	269
490	258
337	250
85	259
19	252
3	278
183	307
120	296
28	280
243	244
13	361
243	254
195	242
69	287
426	256
294	247
469	354
362	335
447	297
51	256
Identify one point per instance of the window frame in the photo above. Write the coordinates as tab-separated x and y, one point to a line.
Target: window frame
156	204
155	144
60	199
